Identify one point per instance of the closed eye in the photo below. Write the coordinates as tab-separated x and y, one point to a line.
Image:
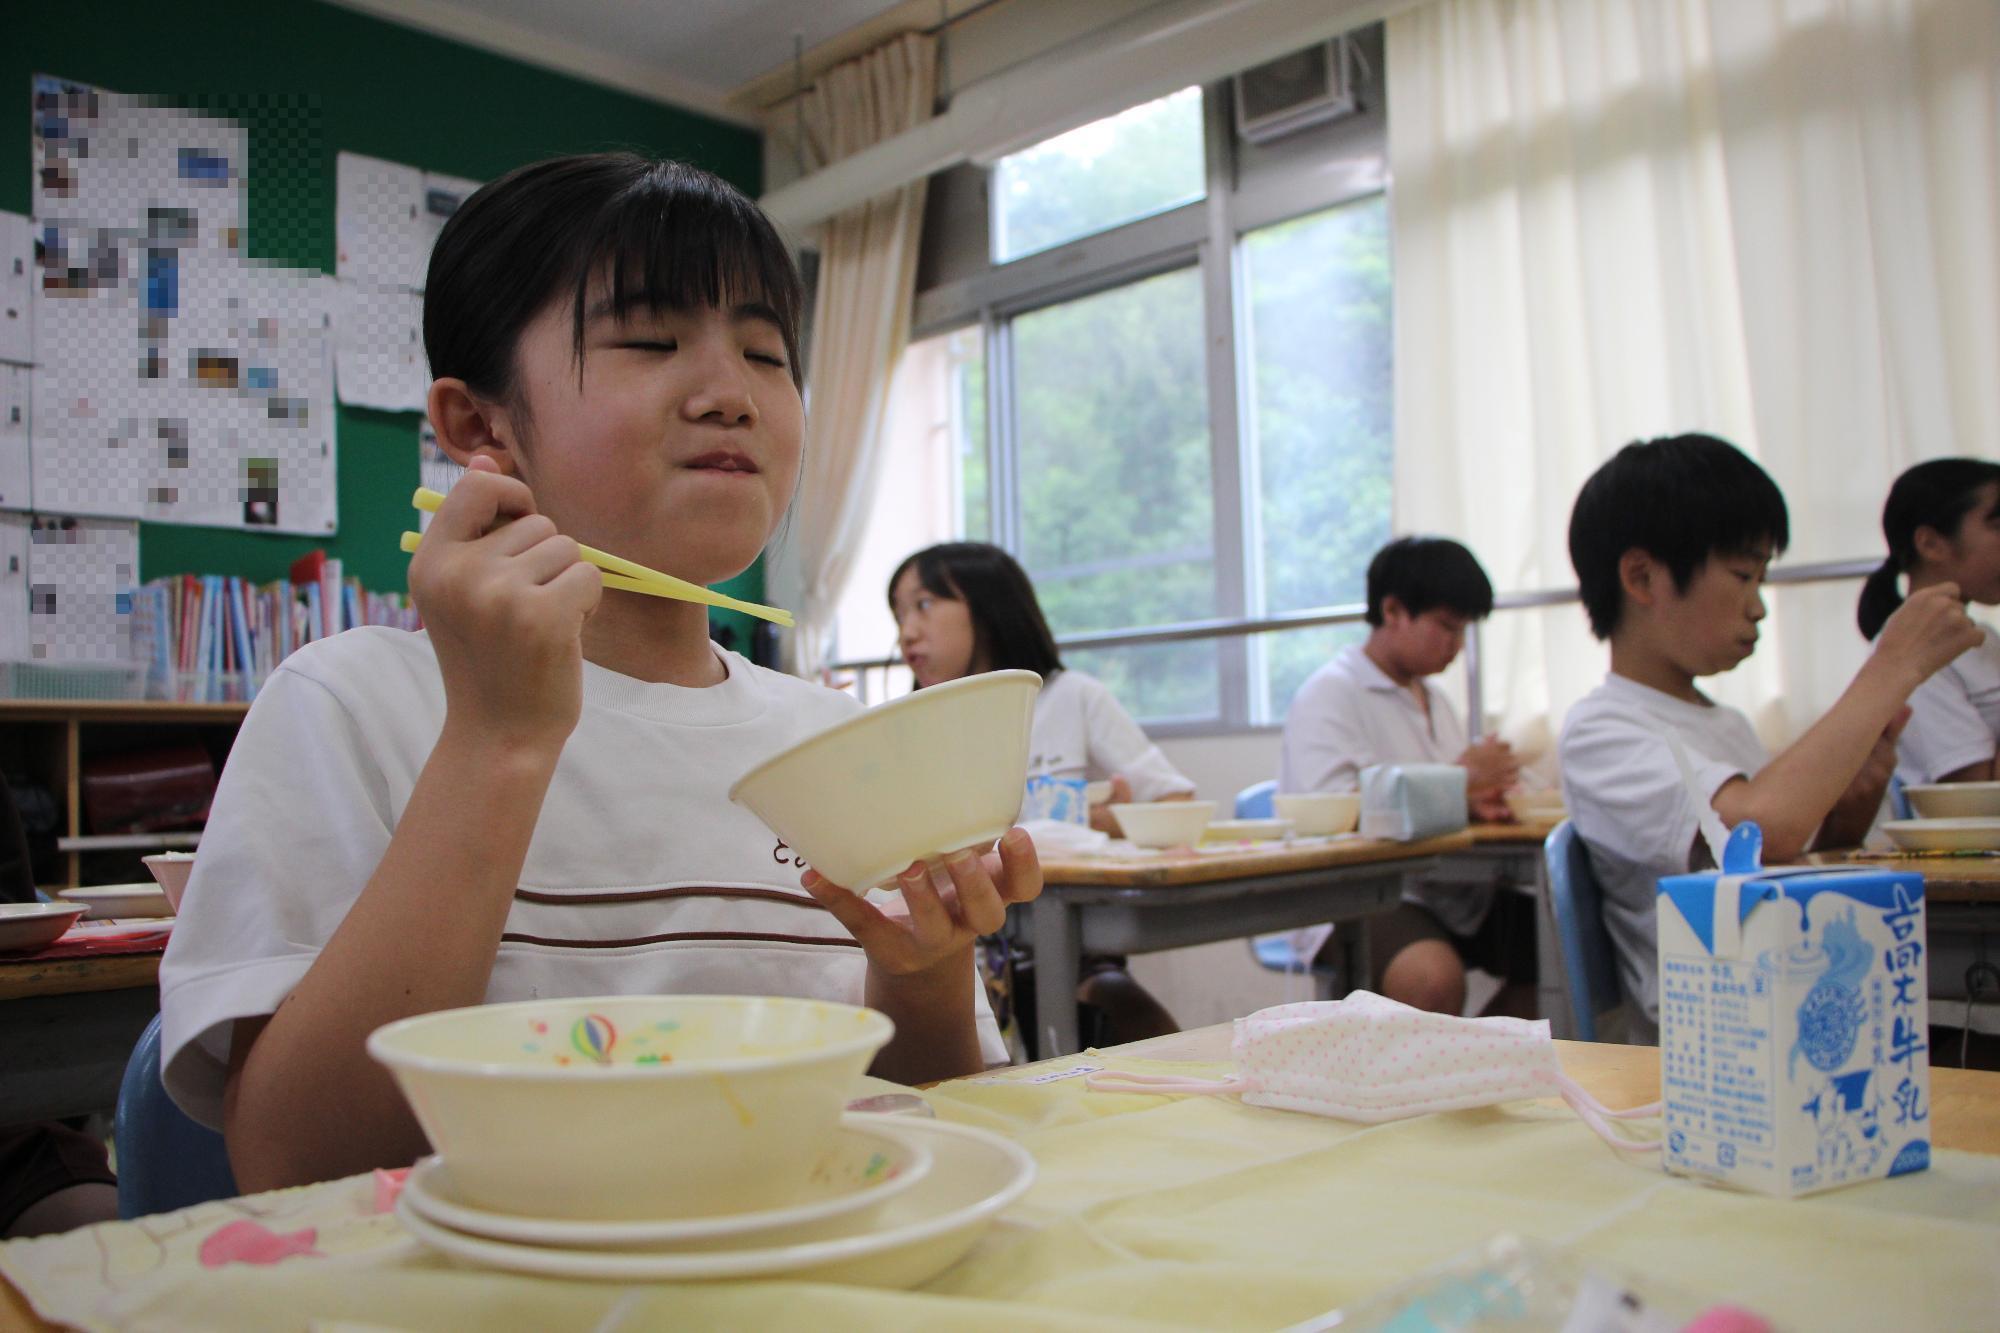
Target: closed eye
643	346
767	358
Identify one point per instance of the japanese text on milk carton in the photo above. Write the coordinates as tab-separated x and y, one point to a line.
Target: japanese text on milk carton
1793	1024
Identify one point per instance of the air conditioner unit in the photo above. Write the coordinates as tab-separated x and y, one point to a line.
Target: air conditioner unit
1285	95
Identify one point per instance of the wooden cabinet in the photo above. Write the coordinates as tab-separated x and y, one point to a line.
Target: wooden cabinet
50	740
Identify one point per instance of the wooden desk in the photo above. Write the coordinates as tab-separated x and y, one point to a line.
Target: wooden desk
1138	904
67	1027
1965	1103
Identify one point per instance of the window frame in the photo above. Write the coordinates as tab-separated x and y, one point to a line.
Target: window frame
1320	169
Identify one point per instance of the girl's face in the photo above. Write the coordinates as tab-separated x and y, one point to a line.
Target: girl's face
1971	556
935	633
678	444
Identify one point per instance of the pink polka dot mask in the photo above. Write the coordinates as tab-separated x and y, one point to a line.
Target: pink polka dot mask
1371	1059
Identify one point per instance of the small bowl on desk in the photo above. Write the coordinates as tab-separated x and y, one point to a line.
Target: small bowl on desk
171	871
108	901
27	927
911	780
1955	800
1319	814
623	1108
1537	807
1164	823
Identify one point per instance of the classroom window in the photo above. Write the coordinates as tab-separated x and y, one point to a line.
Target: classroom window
1111	171
1116	508
1317	359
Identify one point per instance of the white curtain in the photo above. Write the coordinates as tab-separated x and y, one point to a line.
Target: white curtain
1773	220
861	322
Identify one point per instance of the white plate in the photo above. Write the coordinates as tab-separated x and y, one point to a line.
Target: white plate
974	1175
27	926
1955	800
1246	830
1945	835
868	1165
108	900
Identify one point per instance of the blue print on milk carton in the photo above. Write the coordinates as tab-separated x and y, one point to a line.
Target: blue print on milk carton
1793	1021
1056	798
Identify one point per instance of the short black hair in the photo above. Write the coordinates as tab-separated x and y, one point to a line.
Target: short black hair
1008	628
1681	500
1427	572
661	235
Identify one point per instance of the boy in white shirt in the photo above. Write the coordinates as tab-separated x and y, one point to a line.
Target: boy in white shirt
1375	704
1671	540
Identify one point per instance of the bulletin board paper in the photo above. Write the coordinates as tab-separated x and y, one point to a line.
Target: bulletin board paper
379	348
16	489
14	587
81	576
17	285
387	218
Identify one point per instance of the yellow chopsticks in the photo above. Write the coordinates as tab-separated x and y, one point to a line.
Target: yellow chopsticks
625	575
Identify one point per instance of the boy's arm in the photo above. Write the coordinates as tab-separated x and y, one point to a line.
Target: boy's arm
504	599
1793	794
421	937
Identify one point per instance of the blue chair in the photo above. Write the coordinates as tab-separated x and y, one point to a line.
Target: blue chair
1258	800
1274	952
1590	967
1899	800
165	1160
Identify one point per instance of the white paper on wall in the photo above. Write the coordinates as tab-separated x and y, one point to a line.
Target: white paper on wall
379	347
17	285
81	577
13	587
387	217
16	403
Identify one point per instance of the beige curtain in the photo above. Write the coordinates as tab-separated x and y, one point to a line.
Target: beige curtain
861	322
1773	220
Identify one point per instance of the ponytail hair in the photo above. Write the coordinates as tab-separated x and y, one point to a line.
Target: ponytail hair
1936	495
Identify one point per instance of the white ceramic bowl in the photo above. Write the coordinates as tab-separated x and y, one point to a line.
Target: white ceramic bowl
1320	814
1944	835
26	927
1955	800
1533	807
171	869
1164	823
1247	830
622	1108
909	780
105	901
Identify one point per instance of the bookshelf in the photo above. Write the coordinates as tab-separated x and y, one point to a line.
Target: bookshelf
48	740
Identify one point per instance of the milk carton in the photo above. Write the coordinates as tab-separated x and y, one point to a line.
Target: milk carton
1794	1022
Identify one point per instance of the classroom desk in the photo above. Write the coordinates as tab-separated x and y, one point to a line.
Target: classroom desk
1961	919
1195	1212
67	1027
1138	904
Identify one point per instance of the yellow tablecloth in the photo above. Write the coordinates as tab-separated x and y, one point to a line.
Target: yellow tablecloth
1150	1212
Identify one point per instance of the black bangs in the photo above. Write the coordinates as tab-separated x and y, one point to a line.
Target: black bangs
677	238
642	233
1680	500
1426	572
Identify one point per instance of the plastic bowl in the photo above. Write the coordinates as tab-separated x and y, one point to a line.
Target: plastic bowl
632	1107
1534	807
1320	814
171	871
911	780
1955	800
1164	823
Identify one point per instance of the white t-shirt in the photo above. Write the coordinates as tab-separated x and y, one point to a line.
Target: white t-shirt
641	878
1082	731
1633	811
1350	715
1954	716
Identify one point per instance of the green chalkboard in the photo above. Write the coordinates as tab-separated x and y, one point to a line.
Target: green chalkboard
308	80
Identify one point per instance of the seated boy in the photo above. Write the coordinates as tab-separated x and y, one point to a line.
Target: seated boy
1671	540
1375	705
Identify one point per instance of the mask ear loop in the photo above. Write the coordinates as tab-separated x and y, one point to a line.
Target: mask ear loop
1599	1116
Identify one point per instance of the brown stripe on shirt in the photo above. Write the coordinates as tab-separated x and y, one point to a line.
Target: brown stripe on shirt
687	936
655	895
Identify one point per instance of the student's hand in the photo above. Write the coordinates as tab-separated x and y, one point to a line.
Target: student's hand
1929	630
1491	767
504	598
930	928
1101	817
1847	824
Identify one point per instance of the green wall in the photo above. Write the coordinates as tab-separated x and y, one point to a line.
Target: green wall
308	80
